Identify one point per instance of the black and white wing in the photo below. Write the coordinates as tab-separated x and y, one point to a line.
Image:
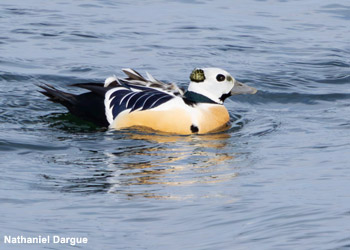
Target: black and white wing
132	98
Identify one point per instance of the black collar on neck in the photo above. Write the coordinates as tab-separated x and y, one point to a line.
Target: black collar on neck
193	97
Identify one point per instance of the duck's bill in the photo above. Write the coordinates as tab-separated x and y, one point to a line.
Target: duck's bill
241	88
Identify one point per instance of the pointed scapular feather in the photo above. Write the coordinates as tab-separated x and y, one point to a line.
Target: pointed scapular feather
134	75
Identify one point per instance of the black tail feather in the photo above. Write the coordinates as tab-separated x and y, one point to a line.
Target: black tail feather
88	106
97	88
56	95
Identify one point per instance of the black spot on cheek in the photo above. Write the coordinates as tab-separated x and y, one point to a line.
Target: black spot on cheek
224	96
194	129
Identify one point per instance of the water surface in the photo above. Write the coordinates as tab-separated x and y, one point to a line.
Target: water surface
279	179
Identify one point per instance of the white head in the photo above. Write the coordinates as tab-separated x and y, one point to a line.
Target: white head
216	84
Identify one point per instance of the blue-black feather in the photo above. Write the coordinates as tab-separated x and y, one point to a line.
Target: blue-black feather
147	98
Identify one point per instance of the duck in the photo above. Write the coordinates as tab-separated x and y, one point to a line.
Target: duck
147	103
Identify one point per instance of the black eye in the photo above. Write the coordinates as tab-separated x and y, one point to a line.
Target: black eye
220	77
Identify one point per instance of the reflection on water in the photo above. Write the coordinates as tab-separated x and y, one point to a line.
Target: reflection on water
197	158
153	161
169	163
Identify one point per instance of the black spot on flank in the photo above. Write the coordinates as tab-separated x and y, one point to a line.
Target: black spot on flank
194	129
189	102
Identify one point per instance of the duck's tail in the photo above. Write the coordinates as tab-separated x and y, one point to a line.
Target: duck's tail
58	96
88	106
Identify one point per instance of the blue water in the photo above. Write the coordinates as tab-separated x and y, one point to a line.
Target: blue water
279	179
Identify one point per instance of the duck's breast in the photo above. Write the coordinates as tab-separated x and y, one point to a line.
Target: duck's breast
212	118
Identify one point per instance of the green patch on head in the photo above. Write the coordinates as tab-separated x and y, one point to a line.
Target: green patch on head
229	78
197	75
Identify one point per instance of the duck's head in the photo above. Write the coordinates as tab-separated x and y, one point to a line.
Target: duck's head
216	84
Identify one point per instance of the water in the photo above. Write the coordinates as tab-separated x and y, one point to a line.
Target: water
279	179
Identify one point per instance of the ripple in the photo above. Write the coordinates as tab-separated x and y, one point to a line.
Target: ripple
84	35
46	24
340	11
81	69
229	47
264	128
16	103
50	34
325	63
23	31
285	98
340	79
18	11
6	145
